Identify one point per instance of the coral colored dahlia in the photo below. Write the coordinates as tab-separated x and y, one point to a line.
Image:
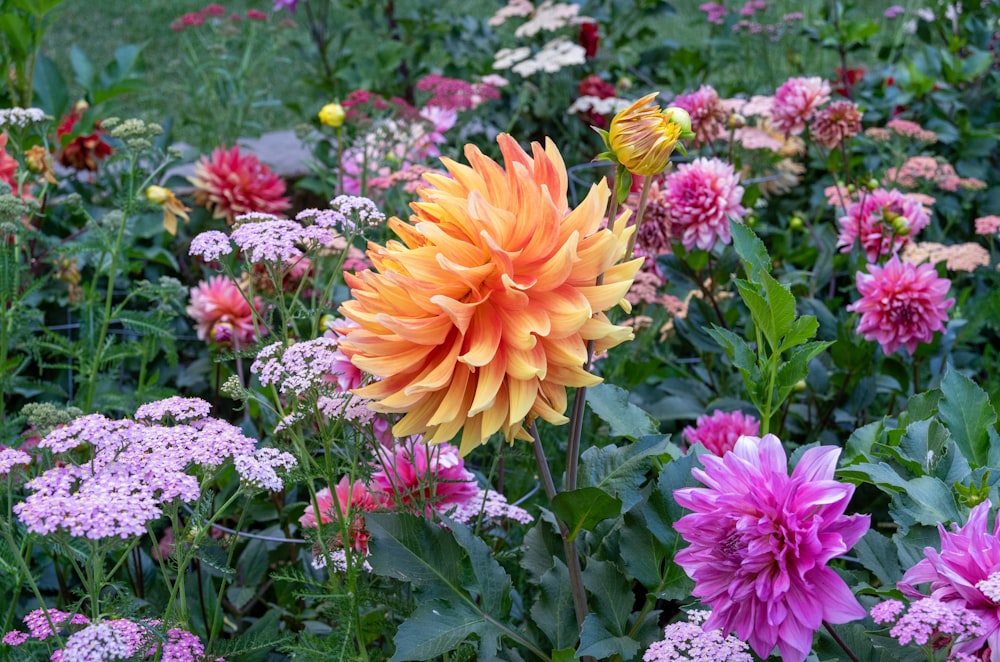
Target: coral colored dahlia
760	540
479	317
230	183
221	313
901	304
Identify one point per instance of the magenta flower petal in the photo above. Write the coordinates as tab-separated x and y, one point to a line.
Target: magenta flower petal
759	540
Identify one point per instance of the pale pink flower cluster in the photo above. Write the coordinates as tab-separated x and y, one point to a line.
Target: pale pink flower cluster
760	540
883	221
689	641
715	12
988	225
796	101
920	170
910	129
301	367
134	470
492	506
260	469
956	257
701	198
707	113
929	622
718	433
901	305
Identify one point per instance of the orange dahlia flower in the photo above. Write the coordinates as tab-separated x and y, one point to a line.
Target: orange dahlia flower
478	319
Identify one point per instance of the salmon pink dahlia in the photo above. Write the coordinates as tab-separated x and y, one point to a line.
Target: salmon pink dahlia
352	500
760	540
901	304
230	183
479	317
221	313
796	101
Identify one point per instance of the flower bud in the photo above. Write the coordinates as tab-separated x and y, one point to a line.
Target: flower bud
642	137
157	194
796	223
736	121
332	114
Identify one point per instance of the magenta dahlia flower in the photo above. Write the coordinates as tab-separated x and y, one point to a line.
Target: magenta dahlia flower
965	573
883	221
901	304
796	101
718	433
760	541
417	473
702	196
230	183
352	500
222	314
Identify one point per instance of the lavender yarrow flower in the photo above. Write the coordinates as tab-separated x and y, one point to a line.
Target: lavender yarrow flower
358	212
300	367
258	469
175	409
338	560
928	618
182	646
494	508
330	219
38	623
688	641
21	117
210	246
94	429
99	642
266	238
10	458
887	611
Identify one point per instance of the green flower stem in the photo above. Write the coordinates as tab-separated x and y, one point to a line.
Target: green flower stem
217	614
841	642
8	537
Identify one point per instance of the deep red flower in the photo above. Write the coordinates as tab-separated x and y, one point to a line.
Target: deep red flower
590	38
84	151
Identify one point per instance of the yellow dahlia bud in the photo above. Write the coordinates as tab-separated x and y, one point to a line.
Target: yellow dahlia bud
736	121
332	114
158	195
642	137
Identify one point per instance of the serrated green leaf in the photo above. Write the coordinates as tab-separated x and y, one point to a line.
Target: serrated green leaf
760	312
877	553
923	444
621	470
492	581
605	630
626	419
781	305
796	366
750	248
862	442
737	349
564	655
802	329
967	413
553	609
585	508
926	501
919	407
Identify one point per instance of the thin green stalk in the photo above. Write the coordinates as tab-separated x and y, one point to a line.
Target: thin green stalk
216	625
11	544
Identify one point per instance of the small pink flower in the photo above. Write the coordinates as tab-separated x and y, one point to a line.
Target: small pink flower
718	433
796	101
222	314
229	183
352	500
969	556
715	12
760	541
988	225
901	304
707	114
416	473
836	124
702	196
883	221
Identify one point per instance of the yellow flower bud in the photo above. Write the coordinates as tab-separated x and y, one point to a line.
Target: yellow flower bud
332	114
158	195
642	137
736	121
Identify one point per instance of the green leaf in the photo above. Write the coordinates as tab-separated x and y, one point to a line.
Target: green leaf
750	248
878	553
781	303
143	323
553	610
435	628
623	183
737	349
51	91
862	442
920	407
926	501
564	655
492	581
410	549
796	367
611	404
923	444
802	329
585	508
881	475
605	630
967	413
82	67
621	470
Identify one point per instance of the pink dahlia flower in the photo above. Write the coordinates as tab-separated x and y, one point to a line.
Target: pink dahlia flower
352	500
964	573
883	221
707	113
702	196
901	304
221	313
760	541
414	472
230	184
836	124
718	433
796	101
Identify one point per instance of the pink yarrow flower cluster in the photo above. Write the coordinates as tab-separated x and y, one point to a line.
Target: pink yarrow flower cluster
702	197
883	222
928	622
901	304
760	540
718	433
689	641
796	101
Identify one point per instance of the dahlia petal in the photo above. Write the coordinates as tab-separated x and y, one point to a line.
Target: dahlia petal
453	401
817	464
794	640
460	313
483	338
838	602
490	377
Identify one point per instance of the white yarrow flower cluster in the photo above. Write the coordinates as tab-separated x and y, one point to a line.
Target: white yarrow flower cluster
21	117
